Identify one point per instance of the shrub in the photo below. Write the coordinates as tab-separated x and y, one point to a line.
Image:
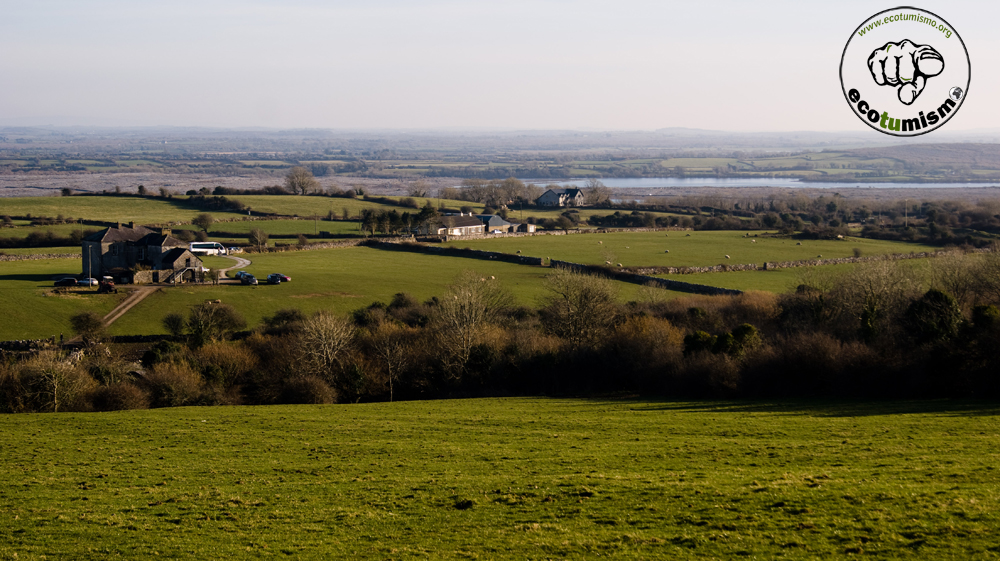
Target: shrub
119	397
170	385
308	390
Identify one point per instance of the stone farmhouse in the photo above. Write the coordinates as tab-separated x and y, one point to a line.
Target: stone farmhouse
138	254
561	197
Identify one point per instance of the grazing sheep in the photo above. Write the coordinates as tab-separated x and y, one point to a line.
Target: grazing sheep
666	235
599	243
666	251
619	264
626	247
819	256
688	235
753	241
798	243
727	257
519	252
607	262
492	277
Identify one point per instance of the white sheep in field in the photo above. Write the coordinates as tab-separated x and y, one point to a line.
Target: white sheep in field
492	277
607	262
819	256
666	251
753	241
619	264
798	243
599	243
727	257
519	252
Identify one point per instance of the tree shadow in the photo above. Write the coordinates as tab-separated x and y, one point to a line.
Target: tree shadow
44	278
831	408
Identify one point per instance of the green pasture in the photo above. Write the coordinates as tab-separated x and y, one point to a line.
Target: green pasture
287	227
110	208
513	478
687	249
342	280
32	309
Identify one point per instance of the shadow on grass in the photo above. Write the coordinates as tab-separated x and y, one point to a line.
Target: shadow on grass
831	408
46	278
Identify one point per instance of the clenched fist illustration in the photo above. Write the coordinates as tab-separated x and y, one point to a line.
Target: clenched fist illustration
906	67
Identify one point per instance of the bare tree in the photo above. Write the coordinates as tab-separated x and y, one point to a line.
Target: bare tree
581	307
388	341
54	383
300	181
323	341
258	238
595	192
470	302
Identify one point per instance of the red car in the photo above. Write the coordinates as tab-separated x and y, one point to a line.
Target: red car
284	278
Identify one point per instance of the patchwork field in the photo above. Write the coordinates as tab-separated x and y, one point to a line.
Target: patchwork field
529	478
687	249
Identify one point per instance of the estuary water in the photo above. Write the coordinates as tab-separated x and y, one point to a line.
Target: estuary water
691	182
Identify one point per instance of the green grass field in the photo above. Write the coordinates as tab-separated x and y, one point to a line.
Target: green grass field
342	280
703	248
529	478
125	209
33	311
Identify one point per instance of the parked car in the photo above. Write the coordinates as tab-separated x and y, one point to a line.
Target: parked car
240	274
89	282
284	278
247	278
234	249
69	281
274	278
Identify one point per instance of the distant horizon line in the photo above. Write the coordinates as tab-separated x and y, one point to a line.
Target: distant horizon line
471	129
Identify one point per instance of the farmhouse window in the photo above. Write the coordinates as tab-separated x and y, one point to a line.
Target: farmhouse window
114	250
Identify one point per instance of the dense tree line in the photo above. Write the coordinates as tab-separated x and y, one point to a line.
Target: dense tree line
875	332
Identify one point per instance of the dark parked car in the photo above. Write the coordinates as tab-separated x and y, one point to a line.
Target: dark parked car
247	278
66	282
240	274
274	278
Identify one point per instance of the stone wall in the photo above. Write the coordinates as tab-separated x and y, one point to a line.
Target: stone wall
626	276
456	252
774	265
37	256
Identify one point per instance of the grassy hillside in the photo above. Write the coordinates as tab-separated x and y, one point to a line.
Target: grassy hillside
505	479
700	248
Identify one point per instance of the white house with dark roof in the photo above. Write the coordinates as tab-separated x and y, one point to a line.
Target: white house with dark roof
561	197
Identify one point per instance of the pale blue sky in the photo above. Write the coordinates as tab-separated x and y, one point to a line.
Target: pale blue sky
724	65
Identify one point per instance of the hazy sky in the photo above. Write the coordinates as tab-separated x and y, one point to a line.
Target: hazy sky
726	65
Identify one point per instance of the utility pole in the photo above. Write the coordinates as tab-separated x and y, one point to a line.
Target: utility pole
906	222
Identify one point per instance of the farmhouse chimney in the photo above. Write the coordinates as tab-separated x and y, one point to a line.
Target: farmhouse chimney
165	231
131	224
